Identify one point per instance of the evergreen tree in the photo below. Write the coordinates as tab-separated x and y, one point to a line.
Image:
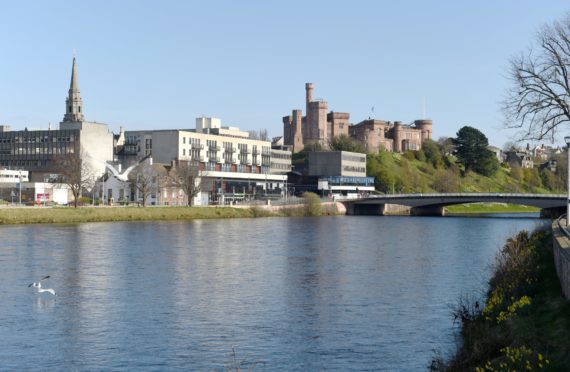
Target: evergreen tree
471	151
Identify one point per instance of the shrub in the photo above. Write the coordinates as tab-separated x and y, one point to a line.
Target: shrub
85	200
312	204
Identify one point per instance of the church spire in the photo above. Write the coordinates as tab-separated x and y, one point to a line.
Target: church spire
74	103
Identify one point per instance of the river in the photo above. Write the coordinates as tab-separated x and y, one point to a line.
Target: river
307	294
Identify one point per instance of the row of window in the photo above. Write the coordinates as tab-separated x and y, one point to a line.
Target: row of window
43	139
283	166
27	164
279	155
350	168
354	158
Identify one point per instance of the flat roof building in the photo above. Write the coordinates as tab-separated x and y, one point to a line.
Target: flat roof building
234	162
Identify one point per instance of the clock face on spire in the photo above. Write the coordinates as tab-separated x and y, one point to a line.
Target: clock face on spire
74	102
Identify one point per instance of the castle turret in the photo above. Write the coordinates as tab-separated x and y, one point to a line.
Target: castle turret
309	94
425	125
397	136
73	103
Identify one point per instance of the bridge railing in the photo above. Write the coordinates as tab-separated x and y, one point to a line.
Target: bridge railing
563	227
468	194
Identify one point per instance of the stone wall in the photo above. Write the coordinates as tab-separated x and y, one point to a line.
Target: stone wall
561	250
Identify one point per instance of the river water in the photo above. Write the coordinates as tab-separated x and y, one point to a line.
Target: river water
307	294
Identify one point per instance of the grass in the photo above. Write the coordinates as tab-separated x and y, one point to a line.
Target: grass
33	215
489	208
525	321
98	214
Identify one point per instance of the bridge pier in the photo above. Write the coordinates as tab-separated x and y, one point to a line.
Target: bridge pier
552	213
365	209
429	210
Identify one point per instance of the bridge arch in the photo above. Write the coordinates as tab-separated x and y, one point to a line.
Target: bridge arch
433	204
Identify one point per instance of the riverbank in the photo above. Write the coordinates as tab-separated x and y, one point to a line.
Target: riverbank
524	322
474	208
34	215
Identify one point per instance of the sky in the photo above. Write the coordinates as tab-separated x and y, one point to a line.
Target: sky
159	65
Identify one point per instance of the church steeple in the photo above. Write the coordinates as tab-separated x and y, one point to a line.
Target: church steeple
73	103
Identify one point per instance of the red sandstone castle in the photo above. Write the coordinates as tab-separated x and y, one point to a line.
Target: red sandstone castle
320	126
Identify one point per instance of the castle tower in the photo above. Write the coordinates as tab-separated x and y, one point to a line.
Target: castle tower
309	94
398	136
425	125
73	103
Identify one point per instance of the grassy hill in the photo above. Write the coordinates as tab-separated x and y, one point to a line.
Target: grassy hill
413	172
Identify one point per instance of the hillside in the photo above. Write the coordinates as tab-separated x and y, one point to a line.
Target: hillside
414	172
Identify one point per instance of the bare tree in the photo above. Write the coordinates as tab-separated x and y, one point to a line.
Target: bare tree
538	101
187	176
75	172
144	178
262	134
253	134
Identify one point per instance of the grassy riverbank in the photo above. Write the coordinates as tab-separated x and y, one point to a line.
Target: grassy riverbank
98	214
525	322
33	215
489	208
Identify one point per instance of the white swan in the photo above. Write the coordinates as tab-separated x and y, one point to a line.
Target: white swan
121	176
38	286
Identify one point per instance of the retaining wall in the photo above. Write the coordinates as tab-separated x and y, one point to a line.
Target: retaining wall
561	250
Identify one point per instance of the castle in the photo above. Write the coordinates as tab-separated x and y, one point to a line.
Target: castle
320	126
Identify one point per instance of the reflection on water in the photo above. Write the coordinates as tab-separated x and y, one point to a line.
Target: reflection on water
334	293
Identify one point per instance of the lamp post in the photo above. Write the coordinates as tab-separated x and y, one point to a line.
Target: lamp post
567	140
20	183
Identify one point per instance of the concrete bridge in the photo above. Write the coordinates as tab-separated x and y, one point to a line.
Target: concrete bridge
433	204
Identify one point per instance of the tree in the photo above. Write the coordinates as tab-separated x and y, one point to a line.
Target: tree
538	101
471	151
446	145
144	179
262	134
253	134
75	172
345	143
433	153
313	146
186	176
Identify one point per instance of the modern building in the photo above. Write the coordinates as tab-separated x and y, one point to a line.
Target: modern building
235	165
13	176
37	150
320	126
335	173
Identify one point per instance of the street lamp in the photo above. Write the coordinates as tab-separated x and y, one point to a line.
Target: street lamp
567	140
20	179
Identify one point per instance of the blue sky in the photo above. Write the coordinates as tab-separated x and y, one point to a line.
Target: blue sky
158	65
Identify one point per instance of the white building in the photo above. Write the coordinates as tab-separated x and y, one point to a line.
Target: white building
236	166
12	176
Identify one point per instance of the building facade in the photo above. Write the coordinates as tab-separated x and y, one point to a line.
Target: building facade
37	150
317	126
336	174
231	161
320	126
378	135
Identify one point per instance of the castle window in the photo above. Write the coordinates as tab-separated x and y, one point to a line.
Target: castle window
79	108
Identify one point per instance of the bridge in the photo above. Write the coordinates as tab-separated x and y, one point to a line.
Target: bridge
433	204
